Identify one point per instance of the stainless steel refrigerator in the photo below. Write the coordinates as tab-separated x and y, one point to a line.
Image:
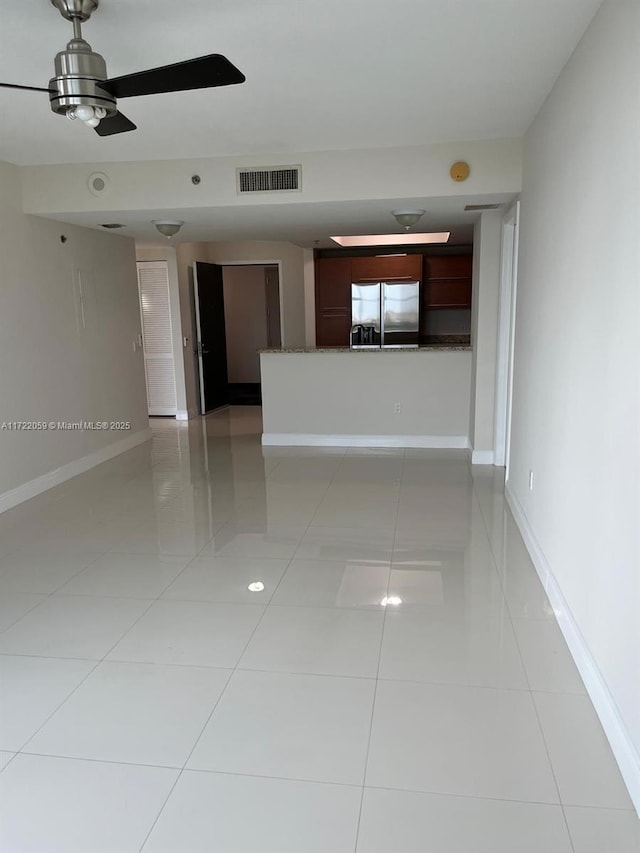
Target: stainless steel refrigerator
385	314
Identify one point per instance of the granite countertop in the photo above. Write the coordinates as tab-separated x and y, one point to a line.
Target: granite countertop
422	349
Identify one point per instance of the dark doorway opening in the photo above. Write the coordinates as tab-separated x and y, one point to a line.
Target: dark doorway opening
237	315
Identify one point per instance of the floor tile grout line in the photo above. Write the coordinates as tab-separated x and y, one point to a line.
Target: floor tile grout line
526	674
388	679
210	716
304	781
182	769
91	671
373	703
58	588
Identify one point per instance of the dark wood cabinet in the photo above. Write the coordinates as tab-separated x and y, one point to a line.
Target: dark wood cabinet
447	282
446	293
387	268
333	302
448	266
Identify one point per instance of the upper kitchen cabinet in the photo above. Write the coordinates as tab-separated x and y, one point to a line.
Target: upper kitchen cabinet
333	302
447	281
387	268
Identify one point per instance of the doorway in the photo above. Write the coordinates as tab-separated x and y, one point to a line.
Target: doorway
237	309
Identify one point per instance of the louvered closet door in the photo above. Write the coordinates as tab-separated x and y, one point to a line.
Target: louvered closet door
155	312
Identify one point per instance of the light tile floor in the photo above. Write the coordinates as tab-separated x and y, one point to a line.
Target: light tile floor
195	656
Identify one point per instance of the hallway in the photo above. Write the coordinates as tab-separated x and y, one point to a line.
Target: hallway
210	646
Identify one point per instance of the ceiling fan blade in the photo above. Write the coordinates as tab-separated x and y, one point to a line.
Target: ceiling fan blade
28	88
201	73
114	124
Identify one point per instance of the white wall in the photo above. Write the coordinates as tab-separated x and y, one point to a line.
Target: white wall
484	325
169	254
309	273
165	185
336	394
245	318
576	420
54	366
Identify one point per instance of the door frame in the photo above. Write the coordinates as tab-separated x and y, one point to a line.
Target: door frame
274	262
198	336
258	263
506	335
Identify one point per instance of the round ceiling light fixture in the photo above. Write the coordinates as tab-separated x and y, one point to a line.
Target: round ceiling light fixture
168	227
407	217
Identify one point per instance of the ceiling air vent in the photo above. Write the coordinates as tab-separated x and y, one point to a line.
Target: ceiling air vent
482	206
271	180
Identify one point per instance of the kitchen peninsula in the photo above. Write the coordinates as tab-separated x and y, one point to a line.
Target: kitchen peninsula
340	397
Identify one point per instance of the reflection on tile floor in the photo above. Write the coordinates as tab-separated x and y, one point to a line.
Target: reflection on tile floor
205	645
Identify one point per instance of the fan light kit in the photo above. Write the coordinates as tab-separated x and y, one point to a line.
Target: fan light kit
168	227
81	90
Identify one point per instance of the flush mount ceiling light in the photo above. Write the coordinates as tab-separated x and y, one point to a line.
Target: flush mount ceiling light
168	227
393	239
407	217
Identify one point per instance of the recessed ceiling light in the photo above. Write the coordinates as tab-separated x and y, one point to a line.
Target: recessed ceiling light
393	239
256	586
394	600
112	225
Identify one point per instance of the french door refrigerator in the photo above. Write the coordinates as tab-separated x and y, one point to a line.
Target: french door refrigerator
385	314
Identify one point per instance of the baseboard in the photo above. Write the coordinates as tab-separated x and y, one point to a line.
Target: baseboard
297	439
182	415
614	727
482	457
53	478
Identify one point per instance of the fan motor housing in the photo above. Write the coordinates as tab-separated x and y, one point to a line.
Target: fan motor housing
78	75
76	9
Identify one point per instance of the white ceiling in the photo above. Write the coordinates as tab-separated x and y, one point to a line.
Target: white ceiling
299	223
321	74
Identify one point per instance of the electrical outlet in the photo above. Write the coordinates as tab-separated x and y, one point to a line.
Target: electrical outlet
397	408
530	481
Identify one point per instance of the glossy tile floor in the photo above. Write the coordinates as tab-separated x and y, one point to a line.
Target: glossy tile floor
206	647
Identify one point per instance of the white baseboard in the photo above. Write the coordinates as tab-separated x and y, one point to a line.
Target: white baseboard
78	466
296	439
482	457
182	415
614	727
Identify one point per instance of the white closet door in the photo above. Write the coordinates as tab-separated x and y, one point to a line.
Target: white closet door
155	313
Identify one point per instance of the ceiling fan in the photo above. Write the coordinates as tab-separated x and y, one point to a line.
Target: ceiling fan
81	90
